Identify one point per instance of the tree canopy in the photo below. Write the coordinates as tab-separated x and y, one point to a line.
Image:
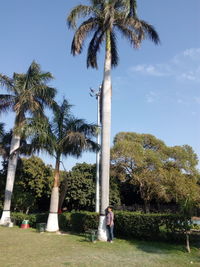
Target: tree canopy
160	172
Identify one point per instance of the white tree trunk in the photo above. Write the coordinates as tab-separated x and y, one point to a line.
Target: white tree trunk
102	231
52	222
105	143
12	165
97	199
63	193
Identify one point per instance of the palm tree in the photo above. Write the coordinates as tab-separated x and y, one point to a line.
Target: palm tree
29	95
64	136
104	19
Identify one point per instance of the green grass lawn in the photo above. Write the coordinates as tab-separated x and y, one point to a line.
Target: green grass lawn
26	247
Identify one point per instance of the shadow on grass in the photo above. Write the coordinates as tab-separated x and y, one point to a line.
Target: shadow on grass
158	247
161	247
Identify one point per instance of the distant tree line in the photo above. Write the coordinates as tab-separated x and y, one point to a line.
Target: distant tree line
144	173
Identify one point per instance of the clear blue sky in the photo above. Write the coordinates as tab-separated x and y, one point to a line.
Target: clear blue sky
156	89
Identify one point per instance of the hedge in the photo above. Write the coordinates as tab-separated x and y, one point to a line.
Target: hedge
127	224
18	217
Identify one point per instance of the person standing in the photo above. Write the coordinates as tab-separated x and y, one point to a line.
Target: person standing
110	224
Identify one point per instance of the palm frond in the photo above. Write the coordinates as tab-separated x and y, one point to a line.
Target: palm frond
92	146
32	92
150	32
6	102
80	35
77	136
74	144
132	8
36	72
5	144
94	47
61	115
6	82
44	93
114	53
38	132
1	129
80	11
97	2
130	35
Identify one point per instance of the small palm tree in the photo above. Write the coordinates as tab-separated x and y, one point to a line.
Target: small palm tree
104	19
29	95
64	136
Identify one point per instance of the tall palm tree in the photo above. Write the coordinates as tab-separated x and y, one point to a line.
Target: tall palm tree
29	95
104	19
64	136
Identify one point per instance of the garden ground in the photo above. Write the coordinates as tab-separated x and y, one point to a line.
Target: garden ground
26	247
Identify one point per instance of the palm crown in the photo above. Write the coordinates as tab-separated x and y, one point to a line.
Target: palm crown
105	18
29	93
64	135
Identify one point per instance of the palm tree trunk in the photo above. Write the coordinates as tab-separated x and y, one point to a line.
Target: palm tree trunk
106	130
97	198
52	222
12	165
63	193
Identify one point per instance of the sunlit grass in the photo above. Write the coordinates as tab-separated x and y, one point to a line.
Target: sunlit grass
20	247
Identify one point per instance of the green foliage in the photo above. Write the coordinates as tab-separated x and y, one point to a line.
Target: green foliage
114	196
81	187
127	224
18	217
83	221
30	93
80	194
159	172
65	221
33	185
151	226
104	19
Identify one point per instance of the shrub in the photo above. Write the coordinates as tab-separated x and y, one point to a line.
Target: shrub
82	221
65	221
127	224
18	217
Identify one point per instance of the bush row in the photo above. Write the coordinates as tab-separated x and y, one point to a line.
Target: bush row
18	217
127	224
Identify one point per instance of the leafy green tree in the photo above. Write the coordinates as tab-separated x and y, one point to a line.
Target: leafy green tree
160	172
33	185
64	136
180	187
183	158
80	184
81	187
104	19
29	95
115	198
